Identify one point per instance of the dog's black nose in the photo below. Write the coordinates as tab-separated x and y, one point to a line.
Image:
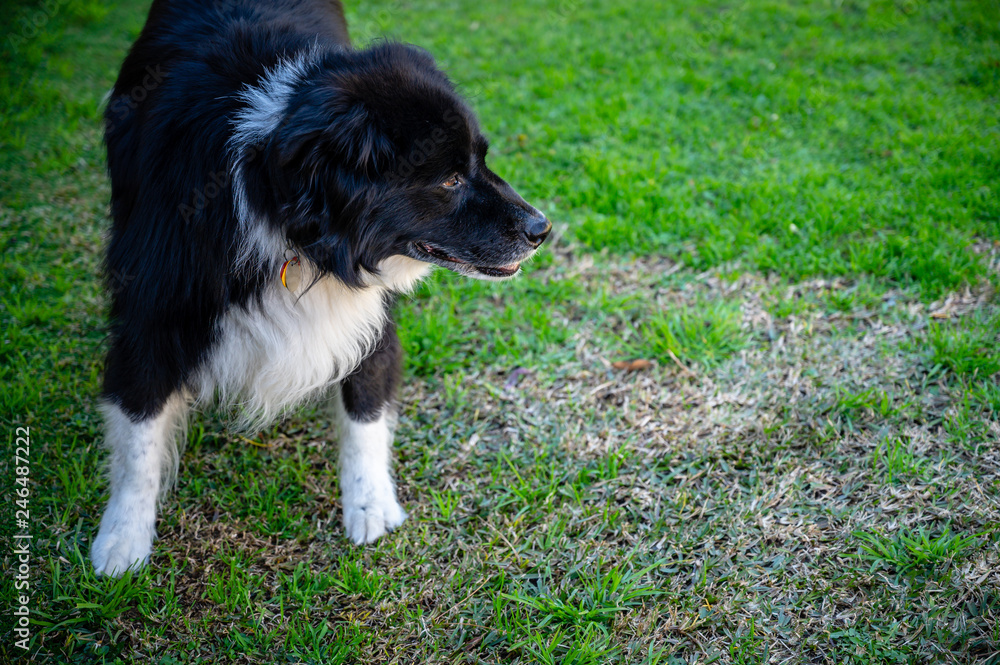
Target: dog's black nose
536	229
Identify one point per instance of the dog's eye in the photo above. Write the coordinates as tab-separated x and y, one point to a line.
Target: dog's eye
452	182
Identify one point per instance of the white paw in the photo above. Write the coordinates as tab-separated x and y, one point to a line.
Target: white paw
121	547
367	521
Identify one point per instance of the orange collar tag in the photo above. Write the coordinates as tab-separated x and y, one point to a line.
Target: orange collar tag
290	273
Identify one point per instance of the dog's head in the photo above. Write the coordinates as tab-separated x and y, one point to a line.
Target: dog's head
379	156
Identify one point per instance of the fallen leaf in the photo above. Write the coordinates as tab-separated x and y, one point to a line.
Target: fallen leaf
632	365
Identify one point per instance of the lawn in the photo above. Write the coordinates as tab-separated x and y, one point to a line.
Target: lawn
744	407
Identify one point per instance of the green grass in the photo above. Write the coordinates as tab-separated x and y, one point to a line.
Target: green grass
895	460
791	209
705	334
914	551
971	350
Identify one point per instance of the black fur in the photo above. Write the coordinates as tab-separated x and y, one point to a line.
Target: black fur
351	175
376	380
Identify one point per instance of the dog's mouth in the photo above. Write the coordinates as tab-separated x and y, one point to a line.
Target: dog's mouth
443	258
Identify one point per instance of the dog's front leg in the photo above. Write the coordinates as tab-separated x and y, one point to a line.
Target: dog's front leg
367	417
143	453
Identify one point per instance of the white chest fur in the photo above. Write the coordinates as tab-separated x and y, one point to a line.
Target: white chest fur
272	356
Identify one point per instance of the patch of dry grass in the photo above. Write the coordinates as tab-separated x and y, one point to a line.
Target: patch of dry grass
736	501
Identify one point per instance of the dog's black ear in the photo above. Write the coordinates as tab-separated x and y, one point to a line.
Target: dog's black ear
325	158
359	141
294	146
340	133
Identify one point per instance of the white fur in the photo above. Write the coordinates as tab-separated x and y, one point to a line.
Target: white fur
273	357
269	359
266	101
266	106
143	456
367	490
399	274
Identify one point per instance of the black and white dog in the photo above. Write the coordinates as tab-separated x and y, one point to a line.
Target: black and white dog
271	190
